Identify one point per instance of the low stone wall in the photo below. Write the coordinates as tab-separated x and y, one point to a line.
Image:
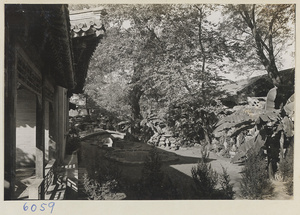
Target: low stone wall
164	141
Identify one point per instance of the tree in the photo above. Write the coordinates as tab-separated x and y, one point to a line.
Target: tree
173	55
267	28
125	50
199	60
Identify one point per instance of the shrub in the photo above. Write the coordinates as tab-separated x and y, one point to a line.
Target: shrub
110	174
193	119
226	188
286	169
255	183
205	178
289	186
92	188
103	171
154	184
97	191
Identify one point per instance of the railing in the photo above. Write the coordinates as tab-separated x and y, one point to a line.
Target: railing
72	184
49	175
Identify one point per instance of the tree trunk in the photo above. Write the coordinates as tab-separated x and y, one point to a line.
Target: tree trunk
134	100
207	138
269	60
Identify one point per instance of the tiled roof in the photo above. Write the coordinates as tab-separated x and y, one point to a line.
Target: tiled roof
62	41
87	30
86	22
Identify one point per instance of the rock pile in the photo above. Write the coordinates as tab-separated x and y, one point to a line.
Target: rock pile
164	140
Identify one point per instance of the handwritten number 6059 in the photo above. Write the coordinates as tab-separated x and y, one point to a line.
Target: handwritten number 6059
33	207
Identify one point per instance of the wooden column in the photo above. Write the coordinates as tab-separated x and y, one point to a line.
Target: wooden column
57	132
60	105
40	138
10	117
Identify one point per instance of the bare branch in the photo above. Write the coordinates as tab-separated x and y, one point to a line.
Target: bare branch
253	14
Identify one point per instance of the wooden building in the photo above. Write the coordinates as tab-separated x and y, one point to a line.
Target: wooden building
47	52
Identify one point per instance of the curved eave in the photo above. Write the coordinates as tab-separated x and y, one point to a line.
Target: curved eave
60	40
86	31
83	49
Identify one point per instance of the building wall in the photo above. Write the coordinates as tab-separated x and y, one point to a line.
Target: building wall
25	128
55	126
30	121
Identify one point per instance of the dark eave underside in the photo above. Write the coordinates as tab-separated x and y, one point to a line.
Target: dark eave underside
46	28
86	30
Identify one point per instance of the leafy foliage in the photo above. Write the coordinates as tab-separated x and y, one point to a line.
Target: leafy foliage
268	124
237	122
255	183
169	60
226	187
191	121
164	53
155	55
97	191
206	180
154	184
286	169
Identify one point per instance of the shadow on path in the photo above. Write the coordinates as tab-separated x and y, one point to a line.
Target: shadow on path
179	170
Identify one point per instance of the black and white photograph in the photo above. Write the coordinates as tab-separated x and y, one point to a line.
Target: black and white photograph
188	101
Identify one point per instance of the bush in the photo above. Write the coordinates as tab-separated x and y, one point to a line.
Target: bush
226	188
92	188
192	120
286	169
206	181
97	191
255	183
154	184
104	177
109	174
